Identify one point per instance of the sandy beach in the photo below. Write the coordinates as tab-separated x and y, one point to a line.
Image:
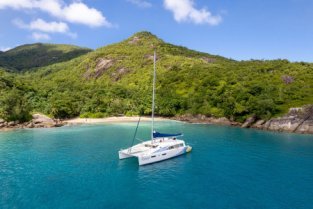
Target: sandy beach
110	120
78	121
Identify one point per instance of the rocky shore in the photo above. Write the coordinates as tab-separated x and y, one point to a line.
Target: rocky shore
202	119
38	121
298	120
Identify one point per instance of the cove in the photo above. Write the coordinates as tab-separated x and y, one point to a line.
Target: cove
229	167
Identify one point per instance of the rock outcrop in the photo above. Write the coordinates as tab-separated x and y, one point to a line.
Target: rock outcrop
2	123
119	73
249	122
298	120
103	64
258	124
208	59
38	121
134	40
204	119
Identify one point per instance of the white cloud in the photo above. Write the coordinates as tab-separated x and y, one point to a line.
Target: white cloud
40	36
80	13
51	27
16	4
41	25
141	3
184	11
47	27
4	49
76	12
53	7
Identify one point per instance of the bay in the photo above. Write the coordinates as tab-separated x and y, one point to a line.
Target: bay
229	167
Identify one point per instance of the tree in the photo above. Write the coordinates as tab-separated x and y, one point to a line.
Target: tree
14	106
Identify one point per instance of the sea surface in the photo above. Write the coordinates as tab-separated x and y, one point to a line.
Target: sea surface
78	167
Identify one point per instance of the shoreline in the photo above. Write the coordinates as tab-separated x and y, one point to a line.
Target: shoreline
284	124
120	119
80	121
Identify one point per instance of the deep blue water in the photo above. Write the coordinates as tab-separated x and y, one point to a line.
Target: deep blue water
78	167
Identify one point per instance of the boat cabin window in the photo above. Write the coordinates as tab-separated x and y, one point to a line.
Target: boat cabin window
176	146
151	145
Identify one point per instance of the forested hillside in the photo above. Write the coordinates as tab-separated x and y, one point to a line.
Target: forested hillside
117	79
37	55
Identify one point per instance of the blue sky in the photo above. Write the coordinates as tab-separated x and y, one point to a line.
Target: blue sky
238	29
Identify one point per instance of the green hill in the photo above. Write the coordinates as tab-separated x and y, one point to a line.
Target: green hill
37	55
116	79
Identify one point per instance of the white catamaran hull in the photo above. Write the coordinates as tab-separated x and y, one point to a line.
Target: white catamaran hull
156	157
123	155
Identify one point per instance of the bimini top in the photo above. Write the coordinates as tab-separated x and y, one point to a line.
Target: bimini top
161	135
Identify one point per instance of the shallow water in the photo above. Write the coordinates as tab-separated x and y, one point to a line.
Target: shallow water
78	167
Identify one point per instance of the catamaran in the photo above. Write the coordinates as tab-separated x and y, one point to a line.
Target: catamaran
161	146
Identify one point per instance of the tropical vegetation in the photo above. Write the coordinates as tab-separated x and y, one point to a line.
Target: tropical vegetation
116	80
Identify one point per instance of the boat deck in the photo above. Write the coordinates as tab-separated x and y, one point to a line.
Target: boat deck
151	146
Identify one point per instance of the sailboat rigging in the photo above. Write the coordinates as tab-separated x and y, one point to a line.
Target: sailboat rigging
161	146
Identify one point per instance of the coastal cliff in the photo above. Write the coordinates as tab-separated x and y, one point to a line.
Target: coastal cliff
298	120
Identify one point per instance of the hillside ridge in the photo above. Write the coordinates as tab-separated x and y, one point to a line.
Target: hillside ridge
37	55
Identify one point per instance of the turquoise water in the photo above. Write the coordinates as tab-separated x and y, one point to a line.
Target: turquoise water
78	167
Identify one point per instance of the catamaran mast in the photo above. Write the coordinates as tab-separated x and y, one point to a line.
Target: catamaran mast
153	95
